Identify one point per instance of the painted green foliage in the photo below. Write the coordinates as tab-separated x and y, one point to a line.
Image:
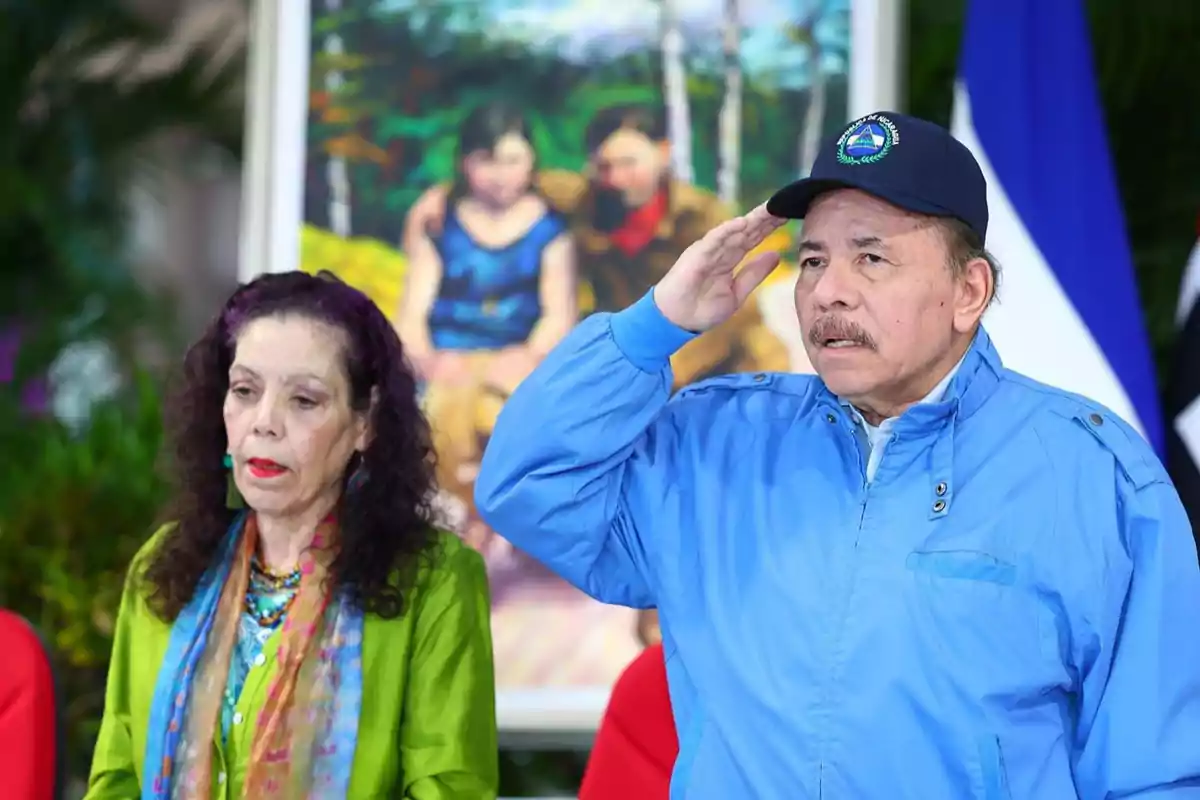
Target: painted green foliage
408	77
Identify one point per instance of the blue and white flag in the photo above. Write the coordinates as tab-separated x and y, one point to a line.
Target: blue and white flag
1027	105
1183	395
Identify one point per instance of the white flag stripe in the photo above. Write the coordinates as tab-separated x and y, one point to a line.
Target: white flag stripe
1187	425
1035	327
1189	288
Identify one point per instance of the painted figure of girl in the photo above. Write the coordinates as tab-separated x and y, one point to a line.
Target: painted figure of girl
487	295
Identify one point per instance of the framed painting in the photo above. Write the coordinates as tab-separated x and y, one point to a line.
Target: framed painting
490	172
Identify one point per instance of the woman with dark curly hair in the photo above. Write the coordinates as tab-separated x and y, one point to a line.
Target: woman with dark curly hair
301	629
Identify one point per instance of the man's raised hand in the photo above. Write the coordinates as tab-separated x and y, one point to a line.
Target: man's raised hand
705	287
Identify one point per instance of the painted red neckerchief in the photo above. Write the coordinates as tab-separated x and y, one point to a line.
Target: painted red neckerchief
641	225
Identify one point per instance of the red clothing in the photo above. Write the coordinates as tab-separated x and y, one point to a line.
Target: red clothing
28	713
636	745
641	226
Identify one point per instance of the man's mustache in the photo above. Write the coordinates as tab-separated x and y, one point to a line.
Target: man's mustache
609	208
830	328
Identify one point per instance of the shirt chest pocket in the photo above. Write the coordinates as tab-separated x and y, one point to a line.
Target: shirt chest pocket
974	606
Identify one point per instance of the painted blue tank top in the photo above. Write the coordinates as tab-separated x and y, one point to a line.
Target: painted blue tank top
489	297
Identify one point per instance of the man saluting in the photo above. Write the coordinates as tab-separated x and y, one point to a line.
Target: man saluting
915	575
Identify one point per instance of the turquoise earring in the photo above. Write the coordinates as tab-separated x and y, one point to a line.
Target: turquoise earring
358	476
233	498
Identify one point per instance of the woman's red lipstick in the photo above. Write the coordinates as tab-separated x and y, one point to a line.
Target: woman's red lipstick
265	468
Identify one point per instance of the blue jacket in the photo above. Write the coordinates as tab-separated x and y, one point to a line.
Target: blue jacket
1010	608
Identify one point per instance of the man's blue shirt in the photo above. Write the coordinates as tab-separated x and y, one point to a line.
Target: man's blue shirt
1010	608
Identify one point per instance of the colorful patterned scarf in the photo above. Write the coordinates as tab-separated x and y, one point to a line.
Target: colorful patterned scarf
304	741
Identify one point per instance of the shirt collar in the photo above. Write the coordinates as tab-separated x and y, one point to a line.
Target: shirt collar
934	396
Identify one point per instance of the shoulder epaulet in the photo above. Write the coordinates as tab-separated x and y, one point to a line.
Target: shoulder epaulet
732	382
1131	452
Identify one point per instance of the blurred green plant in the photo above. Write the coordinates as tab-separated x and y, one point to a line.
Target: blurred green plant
82	91
85	87
74	508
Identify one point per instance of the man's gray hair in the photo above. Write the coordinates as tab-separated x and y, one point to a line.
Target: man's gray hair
964	246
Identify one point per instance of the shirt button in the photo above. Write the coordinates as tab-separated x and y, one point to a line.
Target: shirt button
259	660
221	778
237	718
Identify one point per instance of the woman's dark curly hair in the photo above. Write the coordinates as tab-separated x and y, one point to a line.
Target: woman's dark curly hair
386	520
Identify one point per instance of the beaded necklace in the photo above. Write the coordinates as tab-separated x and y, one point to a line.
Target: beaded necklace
270	594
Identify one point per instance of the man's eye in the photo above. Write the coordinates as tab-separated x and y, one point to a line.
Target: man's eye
305	402
872	258
240	391
810	263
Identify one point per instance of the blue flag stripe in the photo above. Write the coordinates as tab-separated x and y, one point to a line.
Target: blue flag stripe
1027	67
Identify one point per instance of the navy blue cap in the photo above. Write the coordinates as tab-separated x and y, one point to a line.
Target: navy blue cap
906	161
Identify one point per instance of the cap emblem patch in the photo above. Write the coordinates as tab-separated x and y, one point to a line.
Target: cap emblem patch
867	140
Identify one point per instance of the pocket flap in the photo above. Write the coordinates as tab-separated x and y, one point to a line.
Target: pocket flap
968	565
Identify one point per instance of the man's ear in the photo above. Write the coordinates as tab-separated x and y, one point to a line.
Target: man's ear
976	285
